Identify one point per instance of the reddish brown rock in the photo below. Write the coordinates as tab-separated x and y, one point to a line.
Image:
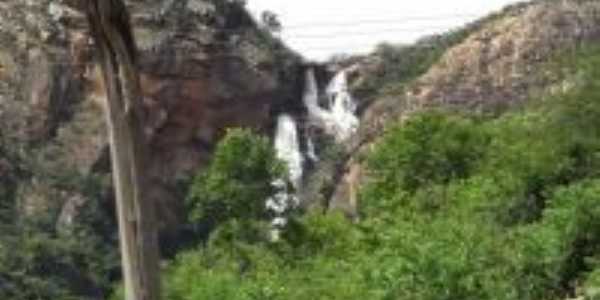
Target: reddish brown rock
205	66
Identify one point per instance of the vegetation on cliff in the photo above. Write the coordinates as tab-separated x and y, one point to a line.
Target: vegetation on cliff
457	206
206	65
457	203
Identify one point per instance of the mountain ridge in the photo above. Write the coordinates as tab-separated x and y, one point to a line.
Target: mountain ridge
494	64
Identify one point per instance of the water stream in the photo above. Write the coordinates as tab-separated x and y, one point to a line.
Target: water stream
337	120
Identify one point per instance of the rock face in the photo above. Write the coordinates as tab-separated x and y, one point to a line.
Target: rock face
205	66
501	62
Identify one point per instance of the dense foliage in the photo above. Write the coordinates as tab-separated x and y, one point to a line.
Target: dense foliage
238	180
39	260
403	63
457	207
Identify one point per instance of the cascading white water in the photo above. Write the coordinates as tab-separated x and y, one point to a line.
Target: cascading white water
311	99
339	120
287	147
343	107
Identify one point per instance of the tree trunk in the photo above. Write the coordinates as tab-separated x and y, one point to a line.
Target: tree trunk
110	25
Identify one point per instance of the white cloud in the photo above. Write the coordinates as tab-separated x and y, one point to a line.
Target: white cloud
321	28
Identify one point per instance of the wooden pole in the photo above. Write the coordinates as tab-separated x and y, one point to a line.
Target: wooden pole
110	25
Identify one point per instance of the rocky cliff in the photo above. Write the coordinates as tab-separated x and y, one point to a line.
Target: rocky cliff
205	66
488	66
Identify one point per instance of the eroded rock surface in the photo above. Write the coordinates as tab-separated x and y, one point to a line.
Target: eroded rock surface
205	66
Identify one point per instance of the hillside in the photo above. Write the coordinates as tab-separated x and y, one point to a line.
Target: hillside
474	173
476	177
486	65
493	64
205	66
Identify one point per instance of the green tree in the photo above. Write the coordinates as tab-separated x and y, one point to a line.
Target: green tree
238	180
430	148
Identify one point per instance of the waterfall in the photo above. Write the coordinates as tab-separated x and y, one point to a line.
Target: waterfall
311	100
343	107
339	119
287	147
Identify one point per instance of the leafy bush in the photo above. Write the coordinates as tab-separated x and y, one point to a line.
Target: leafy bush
36	263
229	197
573	213
592	285
238	180
430	148
241	269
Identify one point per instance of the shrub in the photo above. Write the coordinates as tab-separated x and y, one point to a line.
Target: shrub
238	180
430	148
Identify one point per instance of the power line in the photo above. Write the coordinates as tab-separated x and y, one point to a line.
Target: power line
346	34
402	19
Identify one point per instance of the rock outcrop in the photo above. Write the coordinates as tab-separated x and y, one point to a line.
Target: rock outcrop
205	66
501	62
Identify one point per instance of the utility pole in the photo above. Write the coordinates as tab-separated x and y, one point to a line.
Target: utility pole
110	27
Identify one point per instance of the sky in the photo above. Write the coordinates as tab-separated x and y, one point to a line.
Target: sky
319	29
